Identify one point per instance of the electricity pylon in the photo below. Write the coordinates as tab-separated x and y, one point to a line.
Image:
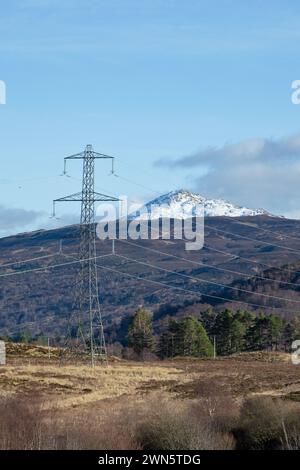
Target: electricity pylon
89	335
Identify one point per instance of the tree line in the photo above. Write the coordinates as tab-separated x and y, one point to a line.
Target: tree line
222	333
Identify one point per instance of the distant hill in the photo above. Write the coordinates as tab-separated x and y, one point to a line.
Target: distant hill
236	249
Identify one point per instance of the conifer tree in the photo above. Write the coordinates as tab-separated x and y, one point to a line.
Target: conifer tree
185	338
140	335
193	339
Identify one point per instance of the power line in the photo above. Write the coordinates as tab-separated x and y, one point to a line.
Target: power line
232	255
252	239
235	256
134	182
52	266
198	294
208	282
210	266
249	225
13	263
24	180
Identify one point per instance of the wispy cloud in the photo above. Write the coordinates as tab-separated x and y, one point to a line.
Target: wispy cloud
256	172
15	219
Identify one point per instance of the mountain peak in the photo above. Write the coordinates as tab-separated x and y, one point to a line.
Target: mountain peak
182	203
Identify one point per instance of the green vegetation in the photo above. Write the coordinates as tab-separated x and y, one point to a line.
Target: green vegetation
234	332
192	335
140	336
243	331
185	338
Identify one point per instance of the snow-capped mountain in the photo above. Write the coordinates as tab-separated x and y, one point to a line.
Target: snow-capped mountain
182	204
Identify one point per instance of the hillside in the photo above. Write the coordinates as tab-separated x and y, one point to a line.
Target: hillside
236	249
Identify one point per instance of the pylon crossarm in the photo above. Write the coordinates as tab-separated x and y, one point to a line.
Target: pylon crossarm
71	197
93	155
75	156
95	197
101	155
103	197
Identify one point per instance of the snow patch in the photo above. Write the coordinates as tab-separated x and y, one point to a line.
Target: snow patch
182	204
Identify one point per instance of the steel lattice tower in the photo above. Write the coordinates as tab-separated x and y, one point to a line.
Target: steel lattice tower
88	318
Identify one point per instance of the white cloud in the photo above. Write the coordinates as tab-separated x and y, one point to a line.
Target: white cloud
256	172
15	219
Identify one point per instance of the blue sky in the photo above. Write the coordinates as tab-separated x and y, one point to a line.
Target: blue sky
149	81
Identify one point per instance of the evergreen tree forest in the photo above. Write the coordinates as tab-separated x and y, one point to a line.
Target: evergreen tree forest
229	332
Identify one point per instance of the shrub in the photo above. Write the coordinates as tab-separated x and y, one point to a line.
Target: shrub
25	426
210	423
268	424
20	424
175	429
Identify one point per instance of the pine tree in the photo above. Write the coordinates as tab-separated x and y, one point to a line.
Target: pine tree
193	339
169	340
230	332
222	332
208	318
265	333
275	329
257	334
289	334
185	338
237	336
140	336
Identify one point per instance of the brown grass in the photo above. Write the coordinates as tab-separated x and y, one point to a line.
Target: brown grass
170	405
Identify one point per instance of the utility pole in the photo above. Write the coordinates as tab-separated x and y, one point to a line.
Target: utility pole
89	326
215	352
48	342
